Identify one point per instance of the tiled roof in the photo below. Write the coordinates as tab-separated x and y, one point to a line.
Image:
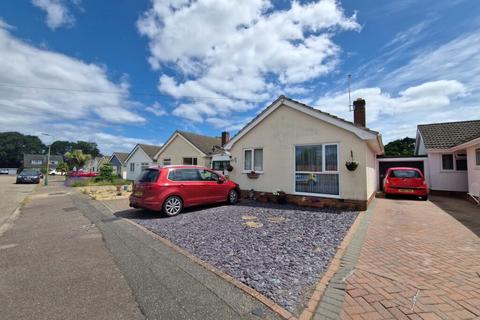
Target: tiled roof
205	144
150	150
449	134
306	106
121	156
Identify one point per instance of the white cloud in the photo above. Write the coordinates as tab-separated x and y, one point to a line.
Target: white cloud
58	14
27	105
156	109
395	115
76	90
238	55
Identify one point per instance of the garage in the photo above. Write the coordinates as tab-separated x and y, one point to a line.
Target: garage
386	162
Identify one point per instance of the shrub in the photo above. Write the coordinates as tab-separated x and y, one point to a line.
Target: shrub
106	173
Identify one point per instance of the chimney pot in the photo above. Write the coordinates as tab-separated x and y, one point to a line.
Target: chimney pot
225	138
359	118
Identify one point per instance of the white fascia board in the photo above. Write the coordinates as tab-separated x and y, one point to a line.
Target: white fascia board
362	134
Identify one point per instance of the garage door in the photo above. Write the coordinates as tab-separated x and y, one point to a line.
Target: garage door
383	166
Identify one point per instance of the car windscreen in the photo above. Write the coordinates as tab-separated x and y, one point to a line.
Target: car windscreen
149	175
405	174
29	173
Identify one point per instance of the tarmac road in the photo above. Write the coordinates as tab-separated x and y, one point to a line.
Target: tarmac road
11	195
69	257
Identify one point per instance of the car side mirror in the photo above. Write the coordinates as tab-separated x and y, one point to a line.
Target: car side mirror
221	180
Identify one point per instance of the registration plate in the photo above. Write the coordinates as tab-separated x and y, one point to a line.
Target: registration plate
139	193
406	190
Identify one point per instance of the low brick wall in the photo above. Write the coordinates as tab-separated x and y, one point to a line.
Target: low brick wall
306	201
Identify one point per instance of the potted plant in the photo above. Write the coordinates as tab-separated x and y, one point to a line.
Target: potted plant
280	196
229	168
351	165
252	175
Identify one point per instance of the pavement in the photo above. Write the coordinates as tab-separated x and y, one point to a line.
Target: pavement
11	195
55	265
418	260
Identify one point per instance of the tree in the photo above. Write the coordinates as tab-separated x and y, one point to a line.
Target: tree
400	147
63	167
90	148
62	147
13	145
77	158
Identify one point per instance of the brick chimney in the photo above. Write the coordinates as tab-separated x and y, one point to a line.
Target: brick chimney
225	138
359	112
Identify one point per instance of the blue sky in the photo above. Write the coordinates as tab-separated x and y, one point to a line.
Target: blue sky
122	72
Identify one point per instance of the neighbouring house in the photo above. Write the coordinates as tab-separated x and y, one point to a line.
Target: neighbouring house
189	149
140	158
93	165
304	152
453	151
118	163
39	161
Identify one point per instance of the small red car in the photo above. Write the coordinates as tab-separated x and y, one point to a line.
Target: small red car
405	181
172	188
82	174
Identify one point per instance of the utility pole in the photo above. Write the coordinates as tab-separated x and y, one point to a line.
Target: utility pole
45	182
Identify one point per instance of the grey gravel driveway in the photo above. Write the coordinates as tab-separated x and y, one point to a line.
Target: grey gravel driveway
281	251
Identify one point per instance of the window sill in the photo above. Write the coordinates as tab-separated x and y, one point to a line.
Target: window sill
319	195
246	172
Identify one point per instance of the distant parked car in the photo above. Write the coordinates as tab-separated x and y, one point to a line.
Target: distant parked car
172	188
29	176
3	171
82	174
405	181
54	172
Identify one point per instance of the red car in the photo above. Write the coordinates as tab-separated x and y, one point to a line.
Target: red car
405	181
82	174
172	188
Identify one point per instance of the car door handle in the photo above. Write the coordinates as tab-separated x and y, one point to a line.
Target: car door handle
181	185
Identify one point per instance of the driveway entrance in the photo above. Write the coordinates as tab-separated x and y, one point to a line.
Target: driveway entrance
419	260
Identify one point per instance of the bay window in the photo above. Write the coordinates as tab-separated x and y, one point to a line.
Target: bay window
253	160
316	169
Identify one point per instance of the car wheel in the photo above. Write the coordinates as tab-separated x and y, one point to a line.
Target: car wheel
232	197
424	198
172	206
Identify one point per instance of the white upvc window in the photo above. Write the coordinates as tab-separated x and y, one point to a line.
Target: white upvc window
144	165
477	157
190	161
317	170
132	166
253	160
167	161
36	162
454	162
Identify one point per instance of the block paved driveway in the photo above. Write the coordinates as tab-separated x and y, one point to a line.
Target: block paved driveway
419	260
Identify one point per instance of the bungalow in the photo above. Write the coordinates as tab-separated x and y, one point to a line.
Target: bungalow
117	161
140	158
453	151
312	156
93	165
189	148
